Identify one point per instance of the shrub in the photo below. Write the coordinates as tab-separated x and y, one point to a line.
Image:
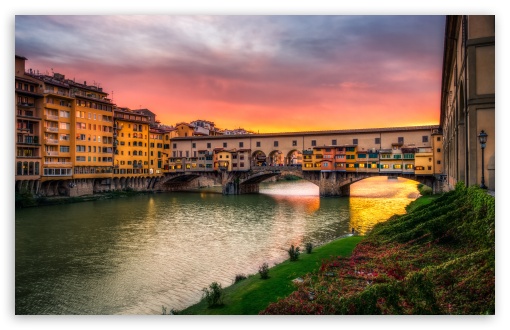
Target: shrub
424	190
308	247
239	277
213	295
264	271
293	253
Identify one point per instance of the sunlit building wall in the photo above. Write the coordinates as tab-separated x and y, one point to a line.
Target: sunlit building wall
468	99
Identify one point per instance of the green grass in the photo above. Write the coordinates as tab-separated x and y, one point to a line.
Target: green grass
252	295
422	200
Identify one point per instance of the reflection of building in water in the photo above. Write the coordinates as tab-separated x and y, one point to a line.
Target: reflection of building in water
379	199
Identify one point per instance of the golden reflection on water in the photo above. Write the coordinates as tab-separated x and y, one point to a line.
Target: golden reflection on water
309	204
376	199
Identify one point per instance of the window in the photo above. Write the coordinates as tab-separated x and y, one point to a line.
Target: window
275	143
429	168
80	148
354	141
65	126
333	142
241	144
362	155
208	145
294	143
409	166
438	138
314	143
438	162
397	166
193	145
64	149
425	138
224	144
377	140
419	168
438	149
258	144
401	140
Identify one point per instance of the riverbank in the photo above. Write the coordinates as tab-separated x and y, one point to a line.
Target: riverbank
438	258
28	200
253	294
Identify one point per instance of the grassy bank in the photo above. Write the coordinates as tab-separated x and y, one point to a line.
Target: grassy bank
439	258
251	295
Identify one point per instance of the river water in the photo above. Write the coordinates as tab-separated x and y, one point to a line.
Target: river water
134	255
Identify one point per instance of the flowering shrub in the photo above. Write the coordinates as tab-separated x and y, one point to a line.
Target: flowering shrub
438	259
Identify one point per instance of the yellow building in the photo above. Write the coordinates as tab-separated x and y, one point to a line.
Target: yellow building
132	149
184	129
423	162
222	160
92	132
350	158
58	113
157	152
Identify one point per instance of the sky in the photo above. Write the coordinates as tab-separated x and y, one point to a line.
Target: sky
264	73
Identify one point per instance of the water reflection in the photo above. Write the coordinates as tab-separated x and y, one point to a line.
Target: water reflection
133	255
376	199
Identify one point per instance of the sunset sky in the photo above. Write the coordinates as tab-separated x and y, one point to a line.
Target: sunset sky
262	73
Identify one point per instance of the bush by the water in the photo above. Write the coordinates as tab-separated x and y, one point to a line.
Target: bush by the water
437	259
293	253
264	271
424	190
239	277
213	295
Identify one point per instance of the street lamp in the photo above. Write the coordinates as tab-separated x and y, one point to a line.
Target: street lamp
483	140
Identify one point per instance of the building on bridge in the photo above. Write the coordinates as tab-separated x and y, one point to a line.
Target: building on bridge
468	100
400	150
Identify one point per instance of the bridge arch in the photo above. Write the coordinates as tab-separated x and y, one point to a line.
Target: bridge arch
294	157
259	158
276	158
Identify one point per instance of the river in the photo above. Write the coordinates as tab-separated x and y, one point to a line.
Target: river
134	255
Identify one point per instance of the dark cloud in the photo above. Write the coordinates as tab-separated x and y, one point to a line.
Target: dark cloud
254	60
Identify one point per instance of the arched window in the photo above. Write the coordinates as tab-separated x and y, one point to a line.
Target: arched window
31	168
25	168
19	168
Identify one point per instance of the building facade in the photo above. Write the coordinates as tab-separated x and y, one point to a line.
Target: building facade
468	100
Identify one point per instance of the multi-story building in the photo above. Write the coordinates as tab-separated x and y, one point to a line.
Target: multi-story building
468	100
28	103
92	131
58	113
132	149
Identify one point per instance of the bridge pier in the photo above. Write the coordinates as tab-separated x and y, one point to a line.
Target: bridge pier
335	184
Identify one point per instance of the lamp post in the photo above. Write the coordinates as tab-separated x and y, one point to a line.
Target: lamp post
482	137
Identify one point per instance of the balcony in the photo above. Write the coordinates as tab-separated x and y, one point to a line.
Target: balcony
26	105
51	153
51	117
51	129
58	163
29	139
51	141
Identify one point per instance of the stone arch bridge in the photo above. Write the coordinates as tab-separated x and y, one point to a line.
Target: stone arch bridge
247	182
